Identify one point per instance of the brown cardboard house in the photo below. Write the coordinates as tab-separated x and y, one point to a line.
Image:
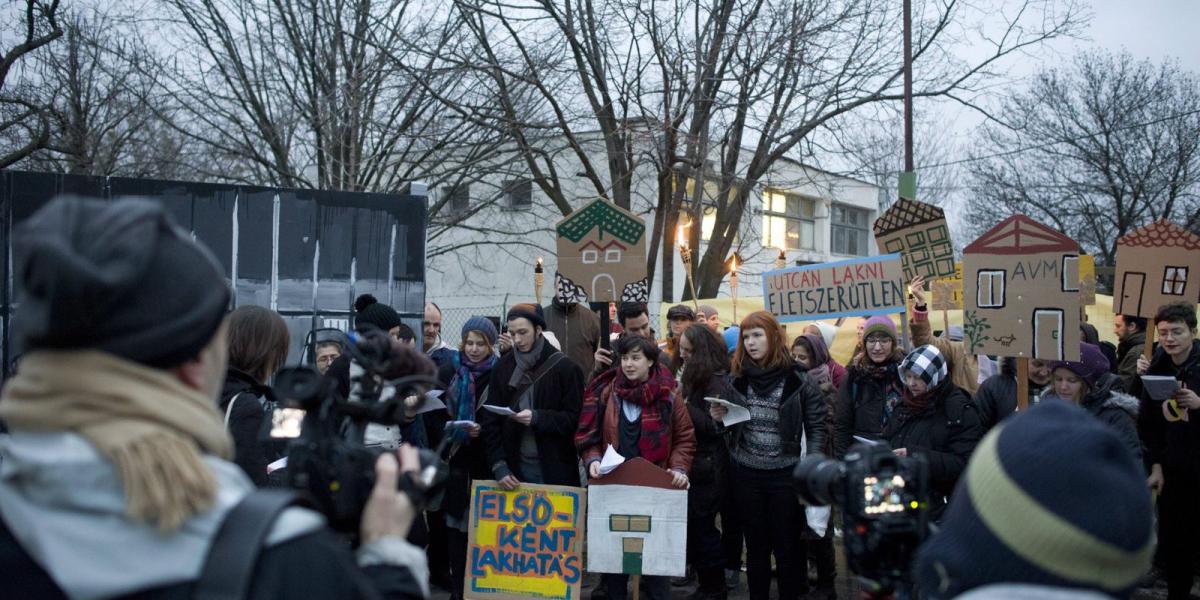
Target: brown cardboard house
1156	265
919	233
1021	292
601	255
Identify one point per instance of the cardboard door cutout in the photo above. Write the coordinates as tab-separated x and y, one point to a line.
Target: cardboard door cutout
637	522
601	255
1021	292
1156	265
919	234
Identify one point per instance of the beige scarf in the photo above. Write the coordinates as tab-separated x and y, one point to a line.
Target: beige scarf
151	426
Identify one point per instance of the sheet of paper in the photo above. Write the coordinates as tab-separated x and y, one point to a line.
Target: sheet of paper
430	403
612	459
435	393
1160	387
737	414
868	441
500	410
277	465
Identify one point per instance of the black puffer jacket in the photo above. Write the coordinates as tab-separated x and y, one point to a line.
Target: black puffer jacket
996	398
244	404
945	432
710	464
1109	402
860	404
801	413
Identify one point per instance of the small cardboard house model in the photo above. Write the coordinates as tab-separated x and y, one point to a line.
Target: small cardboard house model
601	255
1156	265
637	522
1021	292
919	233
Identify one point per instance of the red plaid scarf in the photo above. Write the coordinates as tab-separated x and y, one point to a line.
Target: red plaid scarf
654	396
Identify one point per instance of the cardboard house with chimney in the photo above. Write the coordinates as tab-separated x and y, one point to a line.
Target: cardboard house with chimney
1021	292
1156	265
601	255
919	233
636	522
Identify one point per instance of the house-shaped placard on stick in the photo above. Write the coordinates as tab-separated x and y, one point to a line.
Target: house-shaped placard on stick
1021	292
601	255
637	522
918	232
1156	265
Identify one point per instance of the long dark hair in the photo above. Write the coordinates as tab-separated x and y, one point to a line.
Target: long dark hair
708	357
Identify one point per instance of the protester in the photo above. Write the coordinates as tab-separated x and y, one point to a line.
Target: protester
679	317
441	354
1051	506
635	320
258	346
431	330
635	410
810	353
407	336
732	536
466	377
1087	383
934	418
709	316
706	375
577	329
1171	432
964	370
785	408
1131	343
368	310
827	333
997	396
872	389
116	474
326	353
545	390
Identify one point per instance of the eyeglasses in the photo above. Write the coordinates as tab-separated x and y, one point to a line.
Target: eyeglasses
878	341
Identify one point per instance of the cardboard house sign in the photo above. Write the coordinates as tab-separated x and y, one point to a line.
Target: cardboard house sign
637	522
919	234
1021	292
525	543
1156	265
601	255
873	285
947	292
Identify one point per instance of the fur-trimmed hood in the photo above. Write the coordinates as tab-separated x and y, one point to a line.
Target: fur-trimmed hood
1108	395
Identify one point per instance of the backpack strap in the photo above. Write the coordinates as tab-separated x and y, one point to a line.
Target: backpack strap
231	559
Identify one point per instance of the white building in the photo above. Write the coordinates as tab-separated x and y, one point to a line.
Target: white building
487	263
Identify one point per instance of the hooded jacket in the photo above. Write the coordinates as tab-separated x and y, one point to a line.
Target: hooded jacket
244	402
1109	403
1128	351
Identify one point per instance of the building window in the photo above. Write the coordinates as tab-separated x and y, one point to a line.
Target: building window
590	257
518	194
459	198
612	255
850	231
789	221
990	291
1070	273
1175	281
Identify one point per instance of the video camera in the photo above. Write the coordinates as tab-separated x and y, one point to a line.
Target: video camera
884	501
327	457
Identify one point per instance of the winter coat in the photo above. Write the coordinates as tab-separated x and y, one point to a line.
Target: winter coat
946	432
578	329
1114	407
837	373
710	466
1173	444
997	396
557	399
966	372
801	413
469	461
680	435
1128	351
245	403
860	405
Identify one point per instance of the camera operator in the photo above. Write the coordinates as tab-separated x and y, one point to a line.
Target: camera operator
117	477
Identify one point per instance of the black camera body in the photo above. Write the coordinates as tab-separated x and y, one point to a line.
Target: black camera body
884	501
327	458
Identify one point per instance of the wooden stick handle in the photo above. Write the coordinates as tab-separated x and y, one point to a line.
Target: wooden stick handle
1022	383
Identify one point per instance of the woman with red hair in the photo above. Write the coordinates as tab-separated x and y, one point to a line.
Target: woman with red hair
787	420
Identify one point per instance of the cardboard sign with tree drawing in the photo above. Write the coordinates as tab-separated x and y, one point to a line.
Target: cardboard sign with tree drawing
601	255
1156	265
1021	292
919	233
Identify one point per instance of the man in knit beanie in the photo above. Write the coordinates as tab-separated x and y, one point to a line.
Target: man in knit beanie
1051	506
370	311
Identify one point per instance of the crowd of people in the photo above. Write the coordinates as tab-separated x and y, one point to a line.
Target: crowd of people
142	389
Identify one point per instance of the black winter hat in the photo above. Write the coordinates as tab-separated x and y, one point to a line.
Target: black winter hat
116	276
533	312
367	309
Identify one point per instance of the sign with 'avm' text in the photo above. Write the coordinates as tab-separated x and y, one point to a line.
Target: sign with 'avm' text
849	288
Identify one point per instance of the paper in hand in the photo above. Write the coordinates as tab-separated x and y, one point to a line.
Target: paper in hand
1160	387
612	459
430	402
737	414
500	410
868	441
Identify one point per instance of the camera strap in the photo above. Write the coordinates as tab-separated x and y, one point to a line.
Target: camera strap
231	559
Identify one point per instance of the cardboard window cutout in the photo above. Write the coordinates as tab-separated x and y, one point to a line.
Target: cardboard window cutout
637	522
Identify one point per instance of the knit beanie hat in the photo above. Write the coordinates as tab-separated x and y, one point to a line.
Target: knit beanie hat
533	312
828	332
368	309
483	325
120	277
880	324
927	363
731	338
1051	497
680	311
707	311
1091	364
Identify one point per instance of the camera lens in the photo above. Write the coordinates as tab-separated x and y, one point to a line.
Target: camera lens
819	480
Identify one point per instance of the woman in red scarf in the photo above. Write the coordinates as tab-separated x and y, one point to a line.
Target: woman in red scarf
637	410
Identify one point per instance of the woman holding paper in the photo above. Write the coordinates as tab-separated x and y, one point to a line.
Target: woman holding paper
872	389
636	411
786	411
1088	383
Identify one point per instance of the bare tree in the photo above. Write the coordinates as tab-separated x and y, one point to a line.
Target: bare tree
1097	148
23	123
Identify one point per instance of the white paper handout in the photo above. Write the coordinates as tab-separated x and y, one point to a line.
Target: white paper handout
500	410
1160	387
430	402
612	459
868	441
737	414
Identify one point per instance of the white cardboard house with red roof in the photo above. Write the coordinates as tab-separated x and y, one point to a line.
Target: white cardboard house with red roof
637	522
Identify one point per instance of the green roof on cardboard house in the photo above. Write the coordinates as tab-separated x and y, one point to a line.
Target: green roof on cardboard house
607	217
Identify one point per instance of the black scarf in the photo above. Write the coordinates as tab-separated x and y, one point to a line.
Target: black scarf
762	381
525	363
